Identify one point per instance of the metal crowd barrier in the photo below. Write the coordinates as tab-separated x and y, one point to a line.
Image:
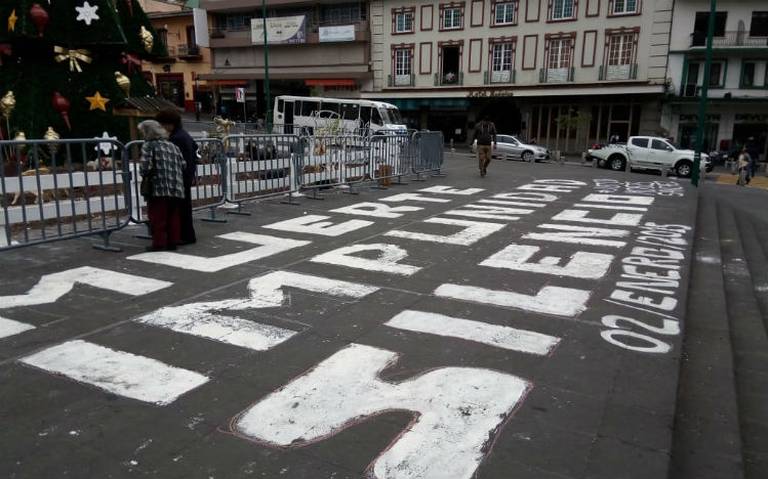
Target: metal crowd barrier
391	157
209	191
260	166
55	190
429	151
208	129
332	161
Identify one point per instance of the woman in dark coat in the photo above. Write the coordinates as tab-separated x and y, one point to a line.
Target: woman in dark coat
171	121
163	161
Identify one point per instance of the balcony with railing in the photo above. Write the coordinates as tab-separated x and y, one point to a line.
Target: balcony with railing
170	58
222	6
503	77
189	53
617	72
449	79
557	75
732	39
240	35
401	80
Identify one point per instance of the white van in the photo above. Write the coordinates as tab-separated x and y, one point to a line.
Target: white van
335	116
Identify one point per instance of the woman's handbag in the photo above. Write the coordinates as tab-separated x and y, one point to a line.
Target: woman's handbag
146	180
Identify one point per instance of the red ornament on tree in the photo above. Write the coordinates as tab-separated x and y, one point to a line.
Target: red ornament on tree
39	17
62	105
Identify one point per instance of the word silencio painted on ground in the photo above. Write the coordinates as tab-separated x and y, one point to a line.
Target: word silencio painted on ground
457	411
650	188
650	281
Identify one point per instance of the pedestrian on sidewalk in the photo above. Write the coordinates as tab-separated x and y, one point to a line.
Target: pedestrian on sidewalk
485	135
754	156
162	171
171	121
743	168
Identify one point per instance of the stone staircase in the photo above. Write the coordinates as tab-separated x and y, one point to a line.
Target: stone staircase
721	422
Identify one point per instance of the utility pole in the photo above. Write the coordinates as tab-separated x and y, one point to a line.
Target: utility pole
267	107
703	100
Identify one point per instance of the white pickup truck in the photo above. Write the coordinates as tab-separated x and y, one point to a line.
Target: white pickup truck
648	153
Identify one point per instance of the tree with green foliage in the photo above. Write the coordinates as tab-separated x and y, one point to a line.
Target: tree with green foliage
69	63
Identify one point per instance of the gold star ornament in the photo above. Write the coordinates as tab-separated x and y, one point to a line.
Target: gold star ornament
12	21
97	102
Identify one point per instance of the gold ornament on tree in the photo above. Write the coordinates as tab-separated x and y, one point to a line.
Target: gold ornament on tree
7	104
51	135
20	136
73	56
124	83
147	39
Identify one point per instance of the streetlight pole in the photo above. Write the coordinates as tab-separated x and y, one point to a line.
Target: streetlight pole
267	107
704	91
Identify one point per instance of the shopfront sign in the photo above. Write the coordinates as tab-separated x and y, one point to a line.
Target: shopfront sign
280	30
490	93
339	33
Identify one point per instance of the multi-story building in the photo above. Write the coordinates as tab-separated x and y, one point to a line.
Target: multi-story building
177	77
566	73
738	84
313	48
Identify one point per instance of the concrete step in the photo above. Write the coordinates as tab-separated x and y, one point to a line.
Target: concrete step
753	404
749	338
707	438
757	259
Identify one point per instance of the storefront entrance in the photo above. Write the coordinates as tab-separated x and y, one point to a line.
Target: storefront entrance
170	86
751	135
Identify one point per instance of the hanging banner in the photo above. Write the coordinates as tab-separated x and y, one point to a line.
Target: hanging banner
240	95
342	33
200	19
280	30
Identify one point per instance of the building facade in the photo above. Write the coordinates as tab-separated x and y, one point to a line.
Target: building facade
313	48
177	77
738	84
566	73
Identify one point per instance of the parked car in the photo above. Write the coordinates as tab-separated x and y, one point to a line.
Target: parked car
510	147
648	153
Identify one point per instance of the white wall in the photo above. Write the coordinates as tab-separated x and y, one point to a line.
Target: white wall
685	16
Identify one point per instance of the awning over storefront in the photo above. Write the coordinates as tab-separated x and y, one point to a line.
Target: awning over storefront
229	82
431	103
330	82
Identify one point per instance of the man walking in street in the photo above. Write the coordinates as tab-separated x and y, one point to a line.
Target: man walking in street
171	121
485	135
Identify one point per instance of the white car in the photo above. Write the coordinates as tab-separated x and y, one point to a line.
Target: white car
648	153
509	147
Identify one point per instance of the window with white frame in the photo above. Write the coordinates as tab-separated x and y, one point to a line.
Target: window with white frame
562	10
501	62
504	13
403	66
404	21
624	7
451	18
620	54
560	53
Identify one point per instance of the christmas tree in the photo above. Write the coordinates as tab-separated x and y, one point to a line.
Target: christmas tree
69	63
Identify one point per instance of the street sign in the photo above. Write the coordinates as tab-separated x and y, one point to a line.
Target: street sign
240	95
